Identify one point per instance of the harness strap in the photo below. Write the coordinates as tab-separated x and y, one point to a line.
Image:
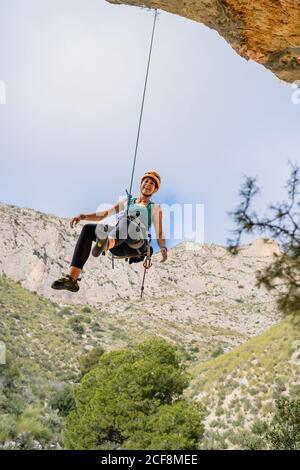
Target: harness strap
132	200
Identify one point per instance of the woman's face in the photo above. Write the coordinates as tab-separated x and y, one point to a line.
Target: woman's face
147	187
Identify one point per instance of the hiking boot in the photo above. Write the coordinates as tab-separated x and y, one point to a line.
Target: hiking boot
67	283
101	246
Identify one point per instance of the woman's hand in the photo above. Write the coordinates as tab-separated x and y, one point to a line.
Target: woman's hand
164	253
76	220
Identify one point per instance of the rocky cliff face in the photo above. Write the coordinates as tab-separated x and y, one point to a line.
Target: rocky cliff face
200	284
267	31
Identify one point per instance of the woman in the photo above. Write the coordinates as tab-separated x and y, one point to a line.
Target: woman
126	239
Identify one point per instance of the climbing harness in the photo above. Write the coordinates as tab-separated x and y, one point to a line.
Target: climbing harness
147	262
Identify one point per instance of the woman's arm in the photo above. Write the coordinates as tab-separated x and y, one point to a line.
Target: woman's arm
98	216
158	225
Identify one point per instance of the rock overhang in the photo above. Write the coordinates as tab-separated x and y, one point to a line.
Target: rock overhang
266	31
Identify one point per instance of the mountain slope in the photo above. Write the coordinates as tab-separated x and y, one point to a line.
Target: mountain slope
44	342
239	388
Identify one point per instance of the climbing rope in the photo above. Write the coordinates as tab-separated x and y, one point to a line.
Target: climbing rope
147	263
129	196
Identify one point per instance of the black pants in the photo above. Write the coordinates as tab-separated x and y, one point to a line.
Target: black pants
88	236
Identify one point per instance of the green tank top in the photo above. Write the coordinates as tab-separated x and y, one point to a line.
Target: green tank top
144	213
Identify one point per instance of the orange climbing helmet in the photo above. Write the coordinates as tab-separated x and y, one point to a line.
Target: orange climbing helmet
154	176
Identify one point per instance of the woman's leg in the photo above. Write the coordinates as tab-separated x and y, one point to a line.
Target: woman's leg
82	249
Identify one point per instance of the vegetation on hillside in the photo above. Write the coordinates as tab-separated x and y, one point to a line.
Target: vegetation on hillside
281	224
47	359
240	388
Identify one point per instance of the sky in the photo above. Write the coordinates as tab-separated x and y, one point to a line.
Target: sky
74	73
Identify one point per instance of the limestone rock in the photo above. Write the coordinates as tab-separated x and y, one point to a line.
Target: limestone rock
267	31
200	283
261	247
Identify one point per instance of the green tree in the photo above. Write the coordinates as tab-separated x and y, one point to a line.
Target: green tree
133	400
284	430
175	426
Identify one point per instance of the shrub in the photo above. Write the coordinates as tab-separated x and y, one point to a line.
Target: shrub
219	411
218	352
78	328
31	422
63	401
65	311
214	441
284	430
76	325
87	309
252	442
7	427
279	387
95	327
259	427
